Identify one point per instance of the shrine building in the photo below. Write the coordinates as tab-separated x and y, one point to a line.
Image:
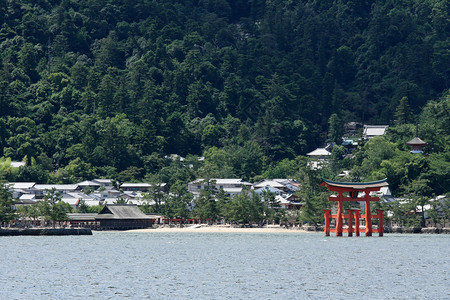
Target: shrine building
417	144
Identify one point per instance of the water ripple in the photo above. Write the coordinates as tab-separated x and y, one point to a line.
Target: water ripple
114	265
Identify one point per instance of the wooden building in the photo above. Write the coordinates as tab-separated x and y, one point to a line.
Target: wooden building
83	220
123	217
417	145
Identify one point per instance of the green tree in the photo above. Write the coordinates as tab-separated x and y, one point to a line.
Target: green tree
246	208
403	113
7	213
420	193
77	170
337	159
286	168
30	211
180	199
370	157
205	206
52	208
154	199
336	129
272	209
314	197
223	205
82	207
121	200
95	209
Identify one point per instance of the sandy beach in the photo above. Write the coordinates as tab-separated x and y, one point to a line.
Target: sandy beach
222	228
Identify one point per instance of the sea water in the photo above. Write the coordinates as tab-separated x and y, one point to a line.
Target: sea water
157	265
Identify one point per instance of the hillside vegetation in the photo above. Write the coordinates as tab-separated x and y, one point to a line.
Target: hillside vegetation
109	88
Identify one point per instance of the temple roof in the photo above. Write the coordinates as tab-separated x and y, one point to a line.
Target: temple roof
356	185
121	212
319	152
416	141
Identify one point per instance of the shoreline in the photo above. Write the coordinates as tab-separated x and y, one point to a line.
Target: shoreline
204	228
222	229
44	231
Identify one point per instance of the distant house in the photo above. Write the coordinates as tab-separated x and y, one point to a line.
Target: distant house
439	203
107	192
41	189
123	217
350	144
284	185
319	158
22	185
74	199
269	189
103	182
108	201
385	194
142	187
231	186
19	189
132	197
352	128
289	202
92	184
319	153
17	164
371	131
26	199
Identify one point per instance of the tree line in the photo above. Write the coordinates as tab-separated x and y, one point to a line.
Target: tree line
109	88
113	88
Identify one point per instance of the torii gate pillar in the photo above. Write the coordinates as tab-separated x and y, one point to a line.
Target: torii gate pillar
353	189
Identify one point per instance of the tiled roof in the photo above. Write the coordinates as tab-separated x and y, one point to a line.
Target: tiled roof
21	185
59	187
416	141
374	130
121	211
319	152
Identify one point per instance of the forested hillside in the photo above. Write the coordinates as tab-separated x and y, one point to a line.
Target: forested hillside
110	87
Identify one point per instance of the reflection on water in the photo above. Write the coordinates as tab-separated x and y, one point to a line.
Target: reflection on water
159	265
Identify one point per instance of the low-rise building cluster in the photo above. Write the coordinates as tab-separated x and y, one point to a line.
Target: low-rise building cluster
98	192
283	189
92	193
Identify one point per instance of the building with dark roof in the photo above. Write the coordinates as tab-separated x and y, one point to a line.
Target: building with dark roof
123	217
417	144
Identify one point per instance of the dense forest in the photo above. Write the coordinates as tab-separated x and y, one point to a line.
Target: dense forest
112	88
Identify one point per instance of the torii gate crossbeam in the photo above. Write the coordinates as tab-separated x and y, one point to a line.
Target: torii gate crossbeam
352	189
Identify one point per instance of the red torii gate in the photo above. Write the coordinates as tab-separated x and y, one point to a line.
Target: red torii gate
353	188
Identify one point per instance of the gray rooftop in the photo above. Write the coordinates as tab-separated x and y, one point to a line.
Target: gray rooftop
416	141
121	212
81	217
58	187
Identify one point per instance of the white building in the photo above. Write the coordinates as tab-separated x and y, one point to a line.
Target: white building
231	186
319	158
41	189
371	131
103	182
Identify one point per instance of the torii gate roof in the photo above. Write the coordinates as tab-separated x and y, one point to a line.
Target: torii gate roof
355	185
